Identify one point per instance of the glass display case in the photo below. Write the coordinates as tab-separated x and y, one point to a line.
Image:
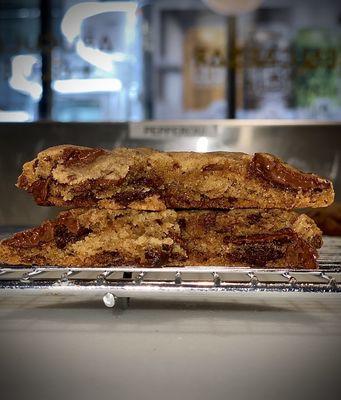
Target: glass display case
73	60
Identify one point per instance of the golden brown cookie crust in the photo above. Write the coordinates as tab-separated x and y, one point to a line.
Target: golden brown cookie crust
146	179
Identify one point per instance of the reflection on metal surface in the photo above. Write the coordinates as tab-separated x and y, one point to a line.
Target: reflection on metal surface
109	300
202	145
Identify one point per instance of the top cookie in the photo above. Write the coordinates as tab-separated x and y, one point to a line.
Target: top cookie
146	179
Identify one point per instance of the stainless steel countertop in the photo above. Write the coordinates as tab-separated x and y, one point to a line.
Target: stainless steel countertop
266	347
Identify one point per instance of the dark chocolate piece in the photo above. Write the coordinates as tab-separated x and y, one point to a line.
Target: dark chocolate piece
280	237
157	258
257	254
80	157
276	173
40	190
32	237
63	236
213	167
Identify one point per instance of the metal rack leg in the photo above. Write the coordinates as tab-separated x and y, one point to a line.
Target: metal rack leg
122	303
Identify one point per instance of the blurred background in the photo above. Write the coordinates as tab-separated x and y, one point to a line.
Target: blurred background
71	60
202	75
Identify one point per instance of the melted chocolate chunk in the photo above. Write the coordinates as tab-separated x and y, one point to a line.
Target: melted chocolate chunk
213	167
177	199
85	194
283	236
128	196
137	187
87	191
35	164
63	236
157	258
86	199
182	223
257	254
258	249
32	237
142	177
69	222
80	157
274	172
176	195
232	200
65	230
40	190
254	218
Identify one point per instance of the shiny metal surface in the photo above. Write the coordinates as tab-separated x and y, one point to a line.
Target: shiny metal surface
312	146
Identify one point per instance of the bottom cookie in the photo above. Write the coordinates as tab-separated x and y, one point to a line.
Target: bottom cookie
232	238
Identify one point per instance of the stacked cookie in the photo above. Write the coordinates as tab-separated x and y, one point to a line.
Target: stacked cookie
148	208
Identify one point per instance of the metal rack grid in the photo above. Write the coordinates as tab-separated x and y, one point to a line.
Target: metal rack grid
118	284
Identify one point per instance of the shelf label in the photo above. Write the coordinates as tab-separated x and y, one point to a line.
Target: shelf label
155	131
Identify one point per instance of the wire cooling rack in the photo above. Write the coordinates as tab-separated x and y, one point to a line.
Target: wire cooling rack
117	284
